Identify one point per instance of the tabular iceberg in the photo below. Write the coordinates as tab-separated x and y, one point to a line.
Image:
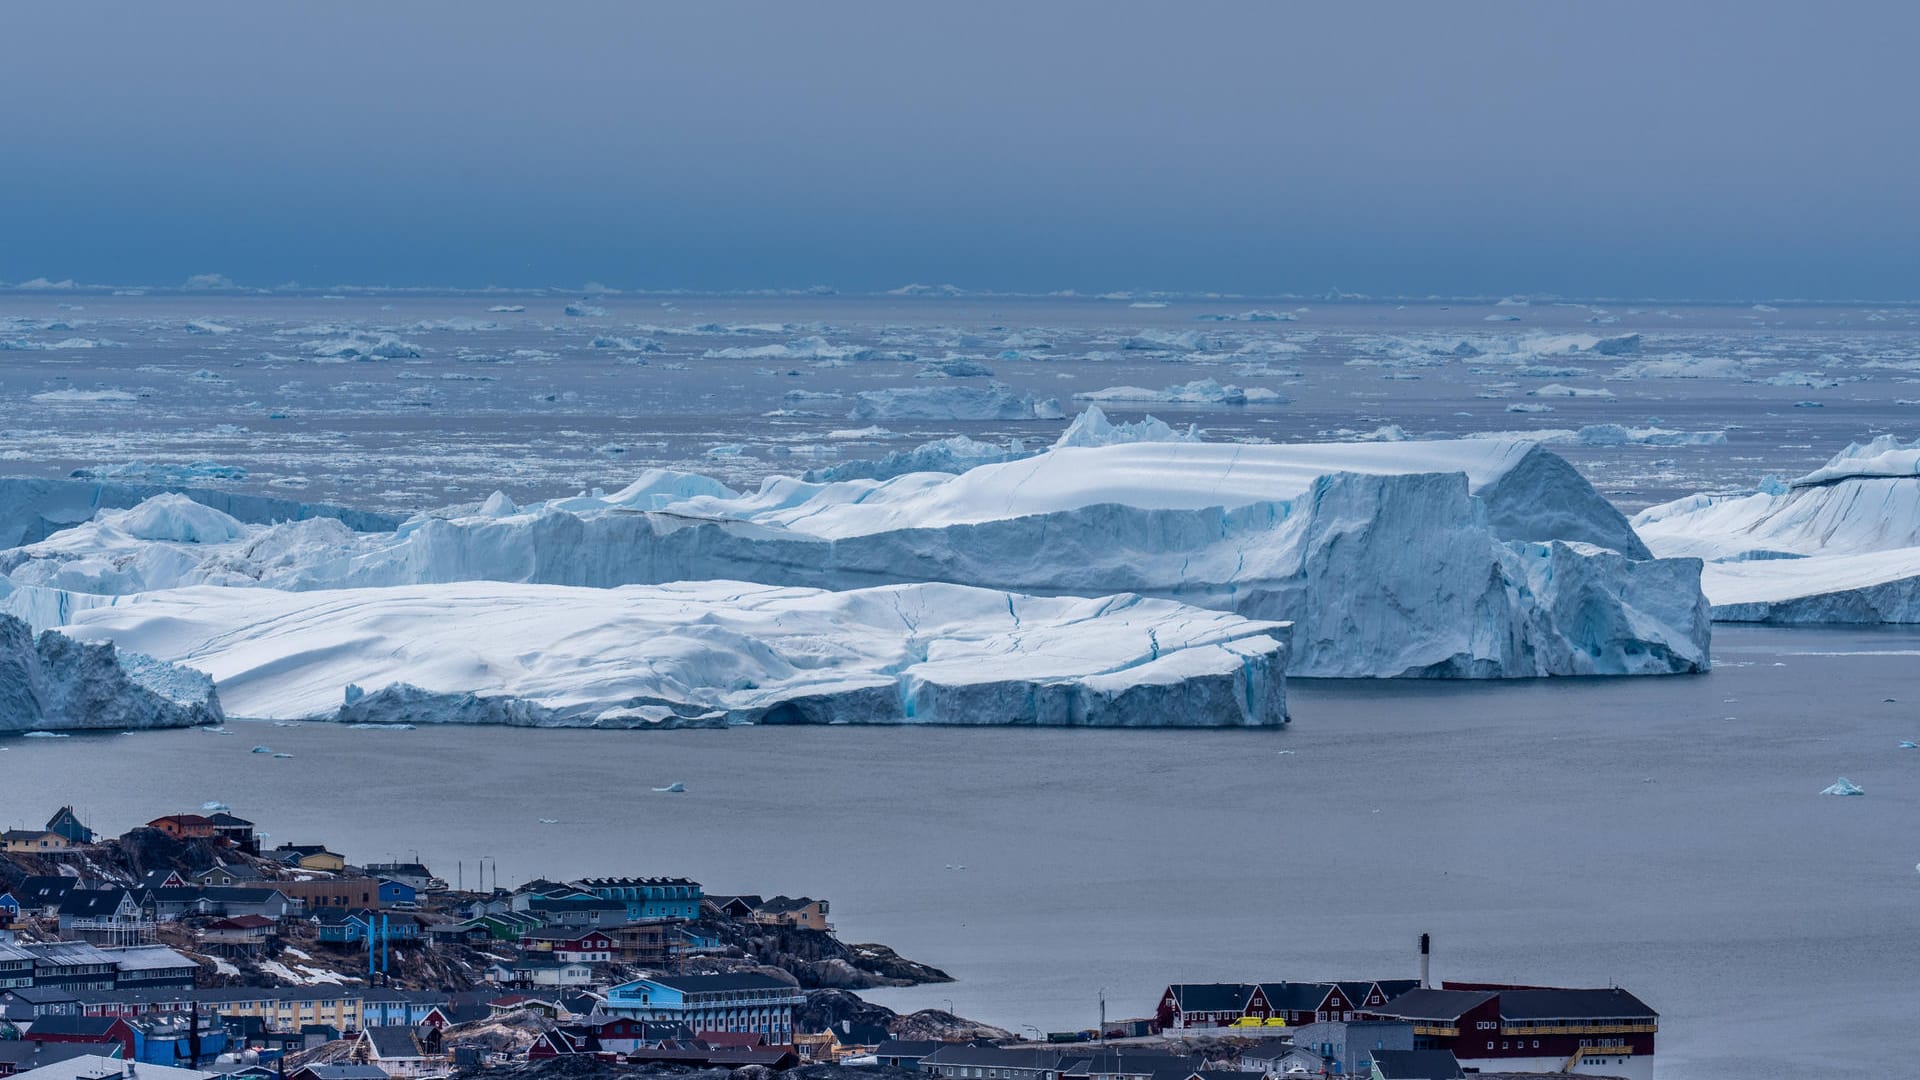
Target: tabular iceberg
55	683
1471	558
710	653
1838	545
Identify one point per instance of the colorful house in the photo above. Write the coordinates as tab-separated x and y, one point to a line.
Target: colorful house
89	1030
68	825
759	1004
34	841
310	857
184	826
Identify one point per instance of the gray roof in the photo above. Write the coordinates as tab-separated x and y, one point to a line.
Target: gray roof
1443	1005
1417	1065
68	953
19	1055
148	958
1554	1004
393	1042
1034	1059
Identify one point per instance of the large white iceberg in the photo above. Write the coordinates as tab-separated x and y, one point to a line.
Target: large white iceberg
710	652
1838	545
1470	558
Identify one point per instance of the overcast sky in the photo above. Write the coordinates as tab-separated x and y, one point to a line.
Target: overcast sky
1679	150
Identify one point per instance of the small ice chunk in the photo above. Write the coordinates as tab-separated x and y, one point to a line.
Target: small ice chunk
676	787
1843	786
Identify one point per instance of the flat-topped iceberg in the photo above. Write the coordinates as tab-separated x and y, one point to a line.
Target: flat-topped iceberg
1840	544
1469	558
55	683
710	653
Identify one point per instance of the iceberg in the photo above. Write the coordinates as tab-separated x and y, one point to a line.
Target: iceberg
958	454
32	509
995	401
709	653
1464	558
1197	392
56	683
1840	544
1843	786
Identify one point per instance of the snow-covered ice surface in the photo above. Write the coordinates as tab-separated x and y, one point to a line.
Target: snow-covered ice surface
710	653
1840	544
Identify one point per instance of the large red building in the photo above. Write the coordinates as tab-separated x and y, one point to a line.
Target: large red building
1605	1032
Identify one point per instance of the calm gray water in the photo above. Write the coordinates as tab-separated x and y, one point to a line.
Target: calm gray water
1664	834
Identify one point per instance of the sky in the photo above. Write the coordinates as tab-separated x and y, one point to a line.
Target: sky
1709	150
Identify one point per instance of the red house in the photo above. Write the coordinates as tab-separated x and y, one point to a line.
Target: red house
86	1030
570	944
1527	1029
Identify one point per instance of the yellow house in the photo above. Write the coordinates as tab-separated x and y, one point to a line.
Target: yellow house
33	840
310	857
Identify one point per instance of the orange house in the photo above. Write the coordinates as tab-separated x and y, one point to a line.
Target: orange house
184	826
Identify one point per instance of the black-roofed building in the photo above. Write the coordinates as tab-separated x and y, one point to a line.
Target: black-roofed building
1416	1065
1495	1028
1202	1005
962	1061
905	1053
105	917
41	895
24	1055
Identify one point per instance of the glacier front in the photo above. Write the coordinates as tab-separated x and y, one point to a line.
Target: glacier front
1838	545
709	653
1469	558
55	683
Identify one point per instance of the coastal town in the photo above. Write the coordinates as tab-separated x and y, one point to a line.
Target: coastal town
184	949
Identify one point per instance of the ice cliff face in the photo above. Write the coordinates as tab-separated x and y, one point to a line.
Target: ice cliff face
1838	545
55	683
711	653
1473	558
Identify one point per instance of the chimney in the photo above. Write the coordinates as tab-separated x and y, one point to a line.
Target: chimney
1426	949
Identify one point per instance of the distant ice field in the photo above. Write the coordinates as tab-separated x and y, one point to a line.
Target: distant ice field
408	402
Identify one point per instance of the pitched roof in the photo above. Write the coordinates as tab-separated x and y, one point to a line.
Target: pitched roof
19	1055
1211	997
1295	996
89	903
396	1041
81	1027
1417	1065
1425	1004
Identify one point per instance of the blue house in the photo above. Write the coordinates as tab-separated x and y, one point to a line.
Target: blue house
650	898
68	825
396	892
754	1004
339	926
9	908
167	1038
